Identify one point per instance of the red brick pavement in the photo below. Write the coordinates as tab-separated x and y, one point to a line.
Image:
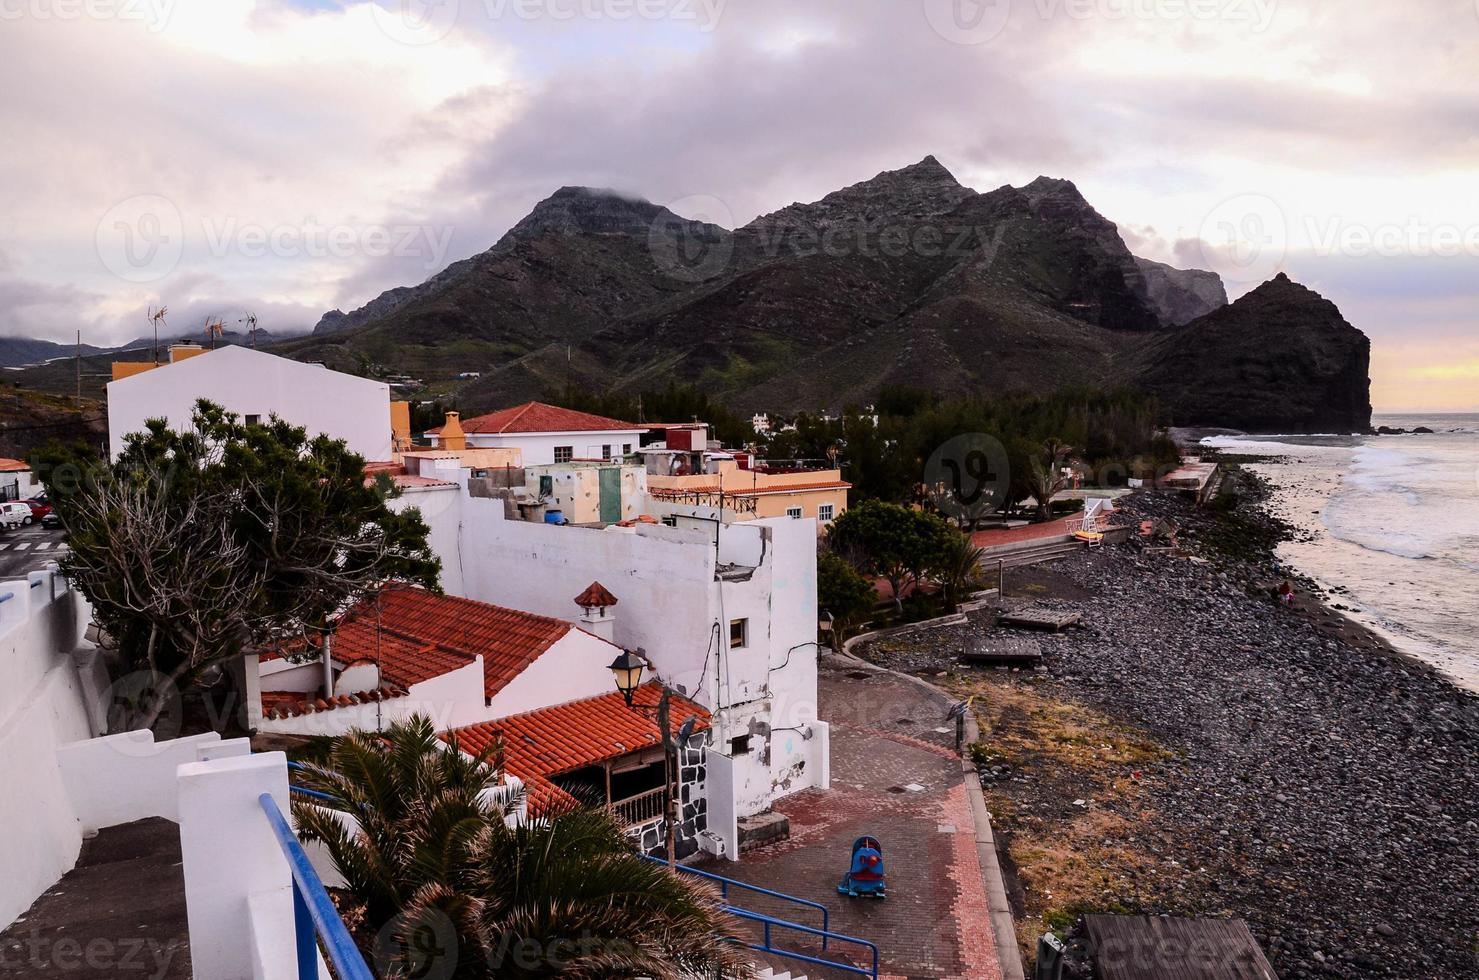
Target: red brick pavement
935	923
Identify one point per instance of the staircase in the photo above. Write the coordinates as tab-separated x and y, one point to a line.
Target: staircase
1031	552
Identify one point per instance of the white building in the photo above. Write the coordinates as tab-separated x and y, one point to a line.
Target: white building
17	482
546	434
725	613
256	385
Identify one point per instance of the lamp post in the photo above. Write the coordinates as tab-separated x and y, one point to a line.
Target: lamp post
627	670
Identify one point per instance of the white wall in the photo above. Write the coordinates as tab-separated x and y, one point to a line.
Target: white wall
453	700
250	382
574	668
441	509
539	447
42	705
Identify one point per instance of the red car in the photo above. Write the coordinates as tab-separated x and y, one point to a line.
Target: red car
39	509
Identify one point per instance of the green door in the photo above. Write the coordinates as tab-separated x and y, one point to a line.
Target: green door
610	495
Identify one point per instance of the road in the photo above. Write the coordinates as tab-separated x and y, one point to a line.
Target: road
28	549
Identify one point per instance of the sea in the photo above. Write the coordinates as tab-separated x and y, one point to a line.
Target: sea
1392	528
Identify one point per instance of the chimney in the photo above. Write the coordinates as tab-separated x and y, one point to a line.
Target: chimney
596	612
452	436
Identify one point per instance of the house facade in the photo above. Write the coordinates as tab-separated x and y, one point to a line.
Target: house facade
544	434
17	481
255	385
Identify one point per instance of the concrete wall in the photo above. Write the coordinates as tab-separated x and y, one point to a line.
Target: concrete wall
43	704
441	509
250	382
576	667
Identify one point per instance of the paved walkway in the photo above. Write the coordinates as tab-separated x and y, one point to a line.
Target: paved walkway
119	914
896	777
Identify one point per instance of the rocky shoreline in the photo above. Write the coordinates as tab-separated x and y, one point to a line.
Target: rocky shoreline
1197	749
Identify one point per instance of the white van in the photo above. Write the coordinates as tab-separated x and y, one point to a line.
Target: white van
15	514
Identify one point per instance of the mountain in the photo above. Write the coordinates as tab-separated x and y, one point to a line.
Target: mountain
20	351
1181	295
908	277
1280	359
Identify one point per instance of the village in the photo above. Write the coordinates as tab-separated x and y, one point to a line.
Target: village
626	613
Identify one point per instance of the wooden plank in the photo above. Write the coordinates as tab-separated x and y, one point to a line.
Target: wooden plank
1142	947
1041	619
1008	650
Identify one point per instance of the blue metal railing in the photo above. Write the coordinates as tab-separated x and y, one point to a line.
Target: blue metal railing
312	794
767	946
314	915
770	922
725	884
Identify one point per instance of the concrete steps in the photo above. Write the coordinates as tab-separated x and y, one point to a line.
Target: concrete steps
1031	552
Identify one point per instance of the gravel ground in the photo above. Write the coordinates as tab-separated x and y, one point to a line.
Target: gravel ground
1320	786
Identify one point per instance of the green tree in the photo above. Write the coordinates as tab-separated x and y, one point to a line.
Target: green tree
898	543
434	852
200	544
844	592
958	570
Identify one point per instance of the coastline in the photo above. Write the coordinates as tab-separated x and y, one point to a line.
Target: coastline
1197	749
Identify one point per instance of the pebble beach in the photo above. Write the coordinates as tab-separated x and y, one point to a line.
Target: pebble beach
1282	765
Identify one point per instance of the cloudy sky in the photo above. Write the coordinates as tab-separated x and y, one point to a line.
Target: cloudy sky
225	156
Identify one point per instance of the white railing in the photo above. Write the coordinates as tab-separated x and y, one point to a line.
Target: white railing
643	808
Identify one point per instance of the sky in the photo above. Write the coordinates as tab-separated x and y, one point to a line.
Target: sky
225	157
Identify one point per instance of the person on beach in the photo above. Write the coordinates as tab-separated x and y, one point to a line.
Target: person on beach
1286	593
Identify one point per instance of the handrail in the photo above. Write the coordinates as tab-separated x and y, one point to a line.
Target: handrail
304	790
4	596
726	883
313	912
768	947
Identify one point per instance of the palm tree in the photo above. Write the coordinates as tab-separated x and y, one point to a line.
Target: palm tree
1046	476
450	883
958	570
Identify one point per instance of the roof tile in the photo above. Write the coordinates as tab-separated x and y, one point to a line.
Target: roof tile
539	417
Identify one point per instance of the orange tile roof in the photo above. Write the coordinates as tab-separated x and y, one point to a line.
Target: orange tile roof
291	704
13	465
550	742
416	635
596	594
756	491
539	417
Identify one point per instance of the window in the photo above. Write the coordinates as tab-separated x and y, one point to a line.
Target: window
253	419
793	512
739	630
670	520
564	454
626	449
825	512
605	452
740	745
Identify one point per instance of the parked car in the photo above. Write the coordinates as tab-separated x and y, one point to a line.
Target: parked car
16	514
39	507
52	520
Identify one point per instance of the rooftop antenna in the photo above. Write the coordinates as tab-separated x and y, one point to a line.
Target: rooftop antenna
156	317
213	329
250	320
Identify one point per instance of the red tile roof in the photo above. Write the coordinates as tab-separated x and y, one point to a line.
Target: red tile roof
13	465
754	491
416	635
291	704
596	594
539	417
550	742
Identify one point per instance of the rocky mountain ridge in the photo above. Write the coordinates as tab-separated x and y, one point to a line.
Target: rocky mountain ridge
908	277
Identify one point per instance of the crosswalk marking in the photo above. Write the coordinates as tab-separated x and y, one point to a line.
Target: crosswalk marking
22	545
43	546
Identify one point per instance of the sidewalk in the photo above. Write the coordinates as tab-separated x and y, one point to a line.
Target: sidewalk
898	779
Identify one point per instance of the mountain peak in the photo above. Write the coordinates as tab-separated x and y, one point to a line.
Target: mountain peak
590	210
920	190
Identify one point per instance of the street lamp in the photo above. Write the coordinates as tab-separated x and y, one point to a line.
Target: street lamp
627	670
